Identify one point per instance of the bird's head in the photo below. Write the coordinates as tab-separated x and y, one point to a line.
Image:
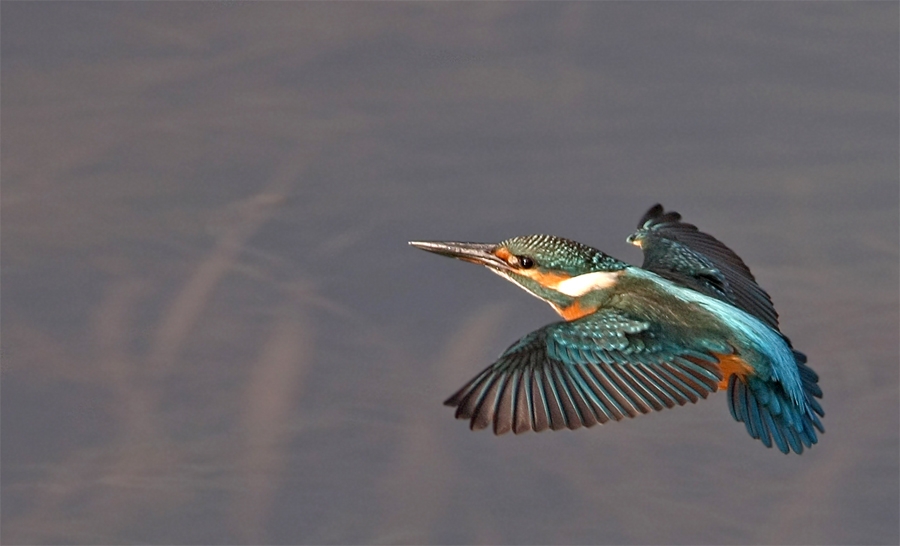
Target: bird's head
554	269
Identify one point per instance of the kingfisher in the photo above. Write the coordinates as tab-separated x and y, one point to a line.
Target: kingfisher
690	321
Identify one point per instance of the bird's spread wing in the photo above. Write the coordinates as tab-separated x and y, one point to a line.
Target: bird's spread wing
681	253
602	367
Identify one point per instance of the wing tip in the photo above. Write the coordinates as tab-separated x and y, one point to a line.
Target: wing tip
656	215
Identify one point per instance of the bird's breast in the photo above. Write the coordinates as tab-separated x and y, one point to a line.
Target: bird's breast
575	310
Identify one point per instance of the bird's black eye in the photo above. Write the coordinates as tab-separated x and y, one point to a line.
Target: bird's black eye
525	262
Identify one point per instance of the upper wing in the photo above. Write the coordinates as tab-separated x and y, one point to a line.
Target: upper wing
678	251
587	371
681	253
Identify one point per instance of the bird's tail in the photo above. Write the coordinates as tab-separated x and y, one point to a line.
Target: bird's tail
772	416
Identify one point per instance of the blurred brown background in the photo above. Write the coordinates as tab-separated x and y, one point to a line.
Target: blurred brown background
213	330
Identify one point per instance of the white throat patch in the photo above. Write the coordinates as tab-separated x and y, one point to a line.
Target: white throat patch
582	284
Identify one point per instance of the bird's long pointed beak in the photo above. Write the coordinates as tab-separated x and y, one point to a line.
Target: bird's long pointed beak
476	253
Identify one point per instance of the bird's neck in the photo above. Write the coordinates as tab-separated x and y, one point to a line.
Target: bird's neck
572	296
579	295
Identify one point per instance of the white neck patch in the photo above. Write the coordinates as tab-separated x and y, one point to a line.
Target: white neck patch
582	284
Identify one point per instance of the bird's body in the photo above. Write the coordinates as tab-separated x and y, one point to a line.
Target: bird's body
690	322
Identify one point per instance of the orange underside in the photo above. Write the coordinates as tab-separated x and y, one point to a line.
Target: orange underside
574	311
732	365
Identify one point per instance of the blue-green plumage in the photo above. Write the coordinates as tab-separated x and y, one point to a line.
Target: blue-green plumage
693	320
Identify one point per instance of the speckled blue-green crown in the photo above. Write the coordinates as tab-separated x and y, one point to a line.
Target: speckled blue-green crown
557	253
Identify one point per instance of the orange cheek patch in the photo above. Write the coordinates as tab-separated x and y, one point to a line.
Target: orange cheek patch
732	365
503	254
547	279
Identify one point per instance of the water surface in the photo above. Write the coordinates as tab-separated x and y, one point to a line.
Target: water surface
214	331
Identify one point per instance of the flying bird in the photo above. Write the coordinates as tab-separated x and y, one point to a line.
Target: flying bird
689	322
